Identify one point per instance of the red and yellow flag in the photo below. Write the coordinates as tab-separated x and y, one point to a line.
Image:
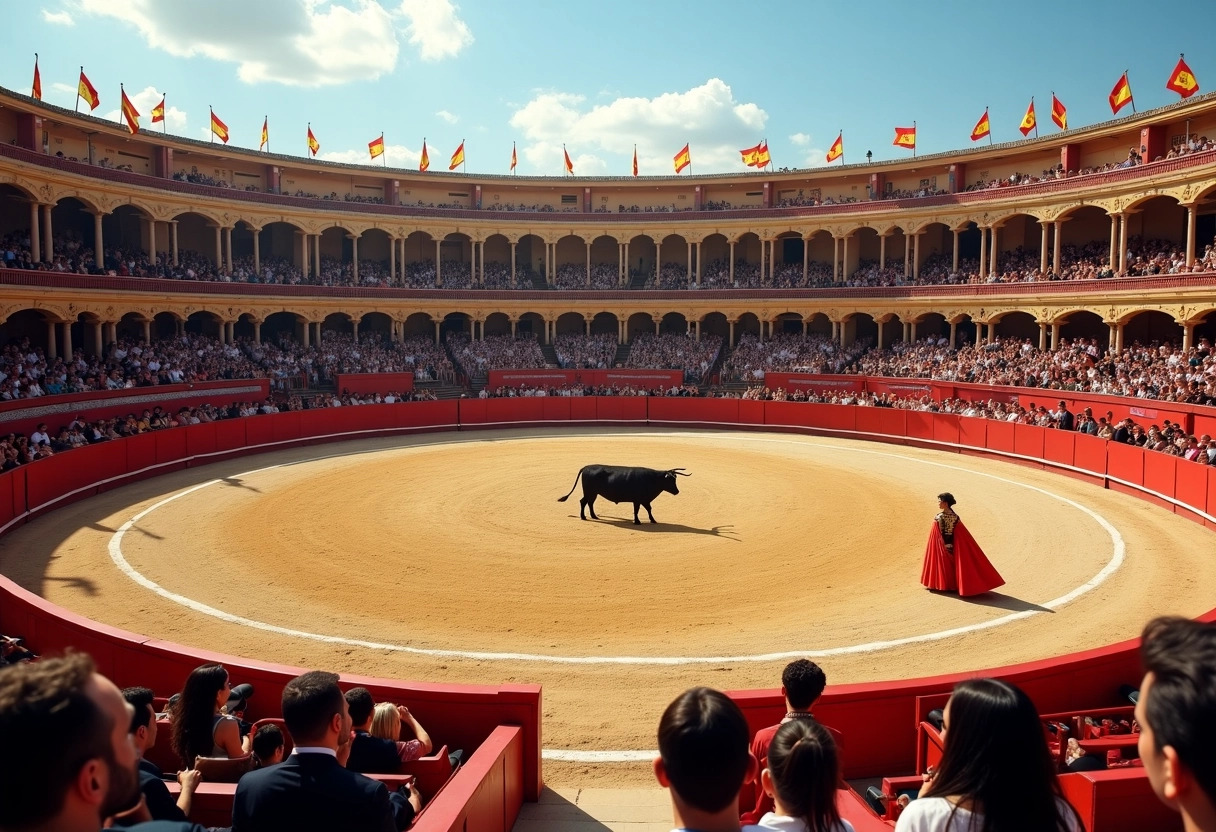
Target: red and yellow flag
457	158
219	128
982	127
751	154
635	160
1059	113
1182	80
129	114
905	137
313	144
424	161
1121	95
36	89
158	112
1029	122
569	164
87	91
837	148
376	146
265	132
681	160
514	158
762	157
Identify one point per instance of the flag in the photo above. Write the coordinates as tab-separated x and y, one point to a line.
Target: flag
158	112
1121	95
905	137
751	154
982	127
457	157
424	161
265	132
1029	122
219	128
837	148
1182	81
129	113
682	159
762	157
514	158
36	89
87	91
376	146
635	160
313	144
1059	113
569	164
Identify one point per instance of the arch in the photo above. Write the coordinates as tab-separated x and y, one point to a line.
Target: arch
1205	328
455	322
131	326
497	323
605	323
860	327
280	326
1082	324
818	323
1158	217
789	323
32	325
643	251
748	322
377	325
72	220
715	323
166	325
638	323
419	325
196	235
932	324
1016	324
1149	326
280	244
339	323
570	322
205	323
531	259
530	324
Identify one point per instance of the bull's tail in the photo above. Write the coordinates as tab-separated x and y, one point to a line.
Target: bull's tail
571	491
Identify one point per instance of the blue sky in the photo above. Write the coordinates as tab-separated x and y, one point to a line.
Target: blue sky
600	77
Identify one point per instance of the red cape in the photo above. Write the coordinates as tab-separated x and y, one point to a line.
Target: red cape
966	571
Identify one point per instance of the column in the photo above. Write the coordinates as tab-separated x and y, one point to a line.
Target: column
696	328
257	251
587	325
620	263
152	241
588	274
626	276
1114	243
97	347
392	260
881	327
1043	232
916	255
228	246
219	249
438	274
689	260
512	263
658	260
882	251
354	259
732	330
1190	236
549	327
99	250
954	268
52	337
304	246
907	255
732	277
983	252
307	334
698	255
1123	245
48	246
954	324
437	340
763	253
1055	335
912	331
993	252
1119	338
257	331
772	259
806	259
316	255
844	258
835	259
1042	335
67	340
1188	336
35	234
354	326
658	321
1055	251
515	322
842	329
173	240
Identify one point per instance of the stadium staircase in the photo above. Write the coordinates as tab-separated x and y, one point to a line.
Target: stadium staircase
538	282
638	280
443	391
622	355
550	355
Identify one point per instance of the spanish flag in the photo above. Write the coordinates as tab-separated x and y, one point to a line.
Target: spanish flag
158	112
36	89
457	158
313	144
635	160
87	91
982	127
751	154
1059	113
569	164
129	114
1182	80
837	148
1121	95
514	158
762	157
424	161
219	128
682	159
905	137
265	142
376	146
1029	122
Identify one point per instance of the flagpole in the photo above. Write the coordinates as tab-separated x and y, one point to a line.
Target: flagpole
841	134
1036	118
915	138
121	94
1125	78
989	125
164	117
78	88
690	160
513	158
211	123
463	164
565	167
383	154
307	146
266	122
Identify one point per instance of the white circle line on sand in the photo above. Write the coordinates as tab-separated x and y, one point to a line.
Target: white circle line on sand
1116	560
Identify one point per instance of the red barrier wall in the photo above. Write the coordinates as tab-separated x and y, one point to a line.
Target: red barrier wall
374	382
529	378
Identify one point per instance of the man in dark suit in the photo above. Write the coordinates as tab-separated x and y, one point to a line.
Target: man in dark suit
159	803
311	790
1064	419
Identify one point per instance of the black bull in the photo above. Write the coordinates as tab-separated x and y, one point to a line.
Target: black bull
623	485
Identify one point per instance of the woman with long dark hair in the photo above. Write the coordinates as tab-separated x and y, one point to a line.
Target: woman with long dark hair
996	774
200	728
801	777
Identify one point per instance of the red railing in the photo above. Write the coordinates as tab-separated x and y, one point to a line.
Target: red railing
1080	182
62	280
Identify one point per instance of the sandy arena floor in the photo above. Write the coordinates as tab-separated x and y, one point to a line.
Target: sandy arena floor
777	545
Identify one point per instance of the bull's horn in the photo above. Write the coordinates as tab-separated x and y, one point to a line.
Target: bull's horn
680	471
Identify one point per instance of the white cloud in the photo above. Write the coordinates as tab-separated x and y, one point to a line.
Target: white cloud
144	101
800	139
395	156
448	117
295	42
707	117
59	18
435	28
